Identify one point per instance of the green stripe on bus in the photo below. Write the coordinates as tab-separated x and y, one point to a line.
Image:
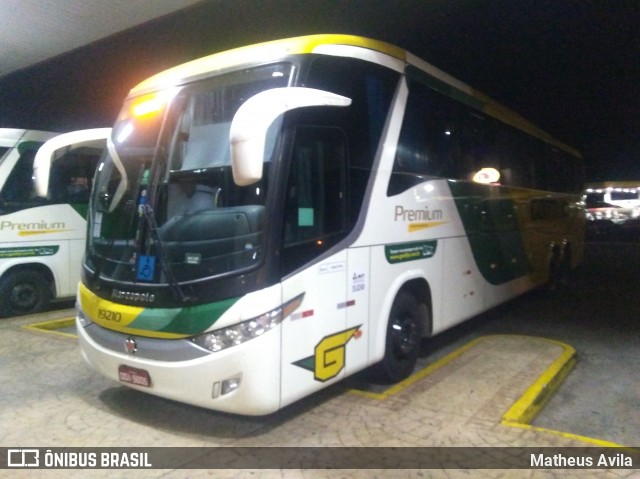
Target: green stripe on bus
492	226
80	208
28	251
190	320
29	145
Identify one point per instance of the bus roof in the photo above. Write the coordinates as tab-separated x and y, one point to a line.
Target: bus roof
9	137
257	53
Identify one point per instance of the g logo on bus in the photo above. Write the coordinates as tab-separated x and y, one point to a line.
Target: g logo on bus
130	346
330	354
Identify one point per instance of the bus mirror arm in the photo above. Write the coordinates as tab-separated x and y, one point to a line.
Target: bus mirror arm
247	136
46	155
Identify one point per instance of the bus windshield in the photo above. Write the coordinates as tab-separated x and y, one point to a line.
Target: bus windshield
165	208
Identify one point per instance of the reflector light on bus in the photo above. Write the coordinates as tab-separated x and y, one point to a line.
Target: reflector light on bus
152	103
147	106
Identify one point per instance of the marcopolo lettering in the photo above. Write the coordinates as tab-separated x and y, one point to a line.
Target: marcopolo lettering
133	296
423	214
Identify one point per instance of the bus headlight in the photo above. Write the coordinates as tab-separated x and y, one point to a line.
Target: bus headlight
224	338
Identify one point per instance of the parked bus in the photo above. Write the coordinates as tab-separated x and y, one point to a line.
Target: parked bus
42	230
613	210
274	218
614	201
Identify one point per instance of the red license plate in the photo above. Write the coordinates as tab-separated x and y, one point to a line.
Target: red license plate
138	377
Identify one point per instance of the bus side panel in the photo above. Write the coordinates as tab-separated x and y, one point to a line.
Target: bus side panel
495	295
463	285
359	287
315	337
52	235
536	242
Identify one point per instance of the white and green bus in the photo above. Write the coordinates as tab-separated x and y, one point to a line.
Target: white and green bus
44	193
274	218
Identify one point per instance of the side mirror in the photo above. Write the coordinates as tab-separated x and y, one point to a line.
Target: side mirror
46	155
249	127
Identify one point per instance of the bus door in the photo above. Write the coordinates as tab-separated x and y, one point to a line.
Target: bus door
316	336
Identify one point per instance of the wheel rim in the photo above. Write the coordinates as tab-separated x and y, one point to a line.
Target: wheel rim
404	337
24	296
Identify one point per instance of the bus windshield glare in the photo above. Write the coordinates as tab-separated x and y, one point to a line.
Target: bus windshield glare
165	208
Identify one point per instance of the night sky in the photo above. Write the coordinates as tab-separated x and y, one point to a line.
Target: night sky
570	66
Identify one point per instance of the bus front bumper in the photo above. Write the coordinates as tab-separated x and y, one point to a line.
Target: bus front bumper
243	379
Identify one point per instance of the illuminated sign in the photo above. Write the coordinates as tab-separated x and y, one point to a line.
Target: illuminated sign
487	175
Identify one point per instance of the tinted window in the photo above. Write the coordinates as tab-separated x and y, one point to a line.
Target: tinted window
72	175
446	138
19	187
333	155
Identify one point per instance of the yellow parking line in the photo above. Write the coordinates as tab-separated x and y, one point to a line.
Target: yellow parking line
52	326
414	378
527	407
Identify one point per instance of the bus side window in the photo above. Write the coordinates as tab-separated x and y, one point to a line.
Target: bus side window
315	215
477	145
72	174
426	147
19	187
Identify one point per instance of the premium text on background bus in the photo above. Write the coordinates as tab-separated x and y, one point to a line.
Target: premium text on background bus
274	218
42	215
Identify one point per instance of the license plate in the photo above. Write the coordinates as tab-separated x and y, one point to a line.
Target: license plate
138	377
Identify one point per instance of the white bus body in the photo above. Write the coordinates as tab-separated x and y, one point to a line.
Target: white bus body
275	218
43	229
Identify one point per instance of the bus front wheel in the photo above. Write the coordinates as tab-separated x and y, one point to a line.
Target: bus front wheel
23	292
402	344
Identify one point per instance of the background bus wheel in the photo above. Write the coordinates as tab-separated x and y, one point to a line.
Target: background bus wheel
402	345
23	292
559	272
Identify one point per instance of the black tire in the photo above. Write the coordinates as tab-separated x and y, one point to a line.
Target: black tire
23	292
559	274
402	344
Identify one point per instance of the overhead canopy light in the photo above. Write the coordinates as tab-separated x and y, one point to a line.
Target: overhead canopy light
487	175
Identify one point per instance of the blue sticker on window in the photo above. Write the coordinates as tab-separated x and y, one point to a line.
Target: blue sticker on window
146	267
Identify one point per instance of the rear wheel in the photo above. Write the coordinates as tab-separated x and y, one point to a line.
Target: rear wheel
402	345
559	272
23	292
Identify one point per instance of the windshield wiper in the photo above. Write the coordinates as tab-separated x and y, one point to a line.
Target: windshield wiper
175	286
159	163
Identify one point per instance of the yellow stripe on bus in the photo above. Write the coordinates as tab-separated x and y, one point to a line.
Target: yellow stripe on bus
98	309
